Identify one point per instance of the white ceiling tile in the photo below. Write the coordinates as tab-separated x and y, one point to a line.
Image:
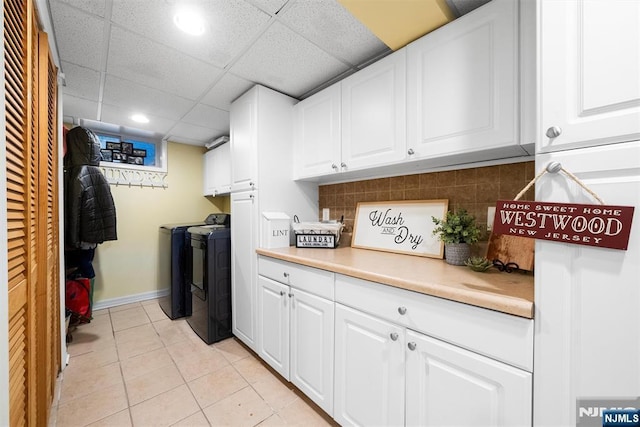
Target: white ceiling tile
79	36
230	26
80	81
118	115
208	117
334	29
225	91
96	7
184	132
284	61
269	6
143	61
79	108
146	100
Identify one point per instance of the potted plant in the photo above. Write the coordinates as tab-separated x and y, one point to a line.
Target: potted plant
457	230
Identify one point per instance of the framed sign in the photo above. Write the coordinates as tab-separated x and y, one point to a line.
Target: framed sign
401	226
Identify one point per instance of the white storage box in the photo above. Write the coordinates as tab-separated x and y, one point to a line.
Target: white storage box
317	234
275	230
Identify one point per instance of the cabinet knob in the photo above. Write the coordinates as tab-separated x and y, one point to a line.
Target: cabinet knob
251	196
290	295
554	132
412	346
393	336
410	152
251	184
402	310
334	166
343	165
286	275
282	293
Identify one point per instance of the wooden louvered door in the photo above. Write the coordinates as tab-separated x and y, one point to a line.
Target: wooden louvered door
32	206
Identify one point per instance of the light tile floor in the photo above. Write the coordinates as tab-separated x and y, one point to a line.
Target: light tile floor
132	366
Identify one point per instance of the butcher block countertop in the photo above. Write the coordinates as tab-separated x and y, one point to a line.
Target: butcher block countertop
510	293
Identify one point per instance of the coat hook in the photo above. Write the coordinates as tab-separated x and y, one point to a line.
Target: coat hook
554	167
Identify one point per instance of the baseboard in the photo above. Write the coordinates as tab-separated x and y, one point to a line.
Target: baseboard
114	302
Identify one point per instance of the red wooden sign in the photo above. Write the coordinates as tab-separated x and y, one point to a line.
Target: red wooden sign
592	225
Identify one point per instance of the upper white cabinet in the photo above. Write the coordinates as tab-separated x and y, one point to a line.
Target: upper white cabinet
463	86
217	171
590	73
357	123
374	114
317	138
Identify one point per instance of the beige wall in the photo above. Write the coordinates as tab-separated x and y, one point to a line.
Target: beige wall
129	265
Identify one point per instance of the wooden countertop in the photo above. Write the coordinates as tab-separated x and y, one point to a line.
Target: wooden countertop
510	293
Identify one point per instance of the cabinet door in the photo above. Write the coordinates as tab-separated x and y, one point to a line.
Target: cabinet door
312	323
244	150
450	386
590	63
374	114
369	374
317	133
222	169
243	266
462	84
273	324
209	184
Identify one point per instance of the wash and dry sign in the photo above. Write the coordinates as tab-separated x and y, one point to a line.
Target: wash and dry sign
592	225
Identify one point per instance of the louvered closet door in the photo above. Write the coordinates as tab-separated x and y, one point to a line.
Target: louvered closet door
32	206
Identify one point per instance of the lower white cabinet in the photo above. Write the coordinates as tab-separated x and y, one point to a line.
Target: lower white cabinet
295	328
449	386
369	375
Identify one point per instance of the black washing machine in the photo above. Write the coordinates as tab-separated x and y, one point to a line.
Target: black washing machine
210	279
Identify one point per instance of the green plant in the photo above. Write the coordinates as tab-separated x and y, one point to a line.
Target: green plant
478	264
458	227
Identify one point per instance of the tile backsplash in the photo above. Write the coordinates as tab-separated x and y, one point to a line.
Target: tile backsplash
473	189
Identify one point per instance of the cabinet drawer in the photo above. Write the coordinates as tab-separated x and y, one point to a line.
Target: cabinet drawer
498	335
312	280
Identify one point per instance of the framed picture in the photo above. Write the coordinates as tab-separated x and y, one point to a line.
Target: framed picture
113	145
402	227
107	155
134	160
127	147
139	152
119	157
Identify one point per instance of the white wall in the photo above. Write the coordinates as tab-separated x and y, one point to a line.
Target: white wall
129	265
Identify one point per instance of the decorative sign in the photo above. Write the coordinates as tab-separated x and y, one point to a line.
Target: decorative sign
591	225
316	241
402	227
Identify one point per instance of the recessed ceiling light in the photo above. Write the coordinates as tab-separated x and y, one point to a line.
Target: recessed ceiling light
189	22
140	118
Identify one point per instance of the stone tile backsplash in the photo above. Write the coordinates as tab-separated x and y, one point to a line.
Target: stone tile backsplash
474	189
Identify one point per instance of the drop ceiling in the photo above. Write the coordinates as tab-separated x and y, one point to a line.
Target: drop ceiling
120	57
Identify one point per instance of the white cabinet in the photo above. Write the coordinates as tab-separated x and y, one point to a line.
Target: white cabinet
407	358
217	171
589	63
355	124
296	327
261	169
583	293
374	114
369	375
463	87
317	138
449	386
243	265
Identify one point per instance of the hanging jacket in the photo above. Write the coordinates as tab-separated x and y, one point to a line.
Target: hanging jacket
90	213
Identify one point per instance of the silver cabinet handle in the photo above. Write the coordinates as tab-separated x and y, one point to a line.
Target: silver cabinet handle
334	166
286	274
554	132
290	295
343	165
251	196
402	310
251	184
410	152
393	336
412	346
282	293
